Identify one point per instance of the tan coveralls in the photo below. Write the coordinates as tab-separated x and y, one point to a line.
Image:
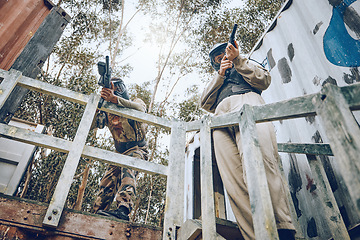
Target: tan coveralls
121	182
228	149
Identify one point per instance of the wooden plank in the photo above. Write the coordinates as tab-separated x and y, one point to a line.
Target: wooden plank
28	215
260	201
41	140
307	148
19	21
53	90
62	145
343	133
207	184
62	188
124	161
8	83
174	206
331	211
193	126
137	115
351	94
32	58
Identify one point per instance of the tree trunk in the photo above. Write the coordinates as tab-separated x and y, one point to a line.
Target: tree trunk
81	192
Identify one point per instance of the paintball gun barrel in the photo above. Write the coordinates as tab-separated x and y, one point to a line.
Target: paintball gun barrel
232	41
105	76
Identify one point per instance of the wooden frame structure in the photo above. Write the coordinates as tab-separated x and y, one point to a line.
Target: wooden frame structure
333	105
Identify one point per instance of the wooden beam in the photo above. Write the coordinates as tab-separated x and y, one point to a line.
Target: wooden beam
34	55
343	133
62	145
174	208
306	148
58	199
260	201
331	210
136	115
207	183
26	217
124	161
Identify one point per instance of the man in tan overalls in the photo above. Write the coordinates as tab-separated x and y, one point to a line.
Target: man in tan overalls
228	93
129	139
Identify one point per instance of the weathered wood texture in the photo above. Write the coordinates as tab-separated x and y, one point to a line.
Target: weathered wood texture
206	182
35	53
192	230
23	219
314	149
343	132
330	208
260	201
59	197
19	20
174	208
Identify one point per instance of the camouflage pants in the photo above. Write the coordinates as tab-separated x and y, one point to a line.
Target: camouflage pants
120	183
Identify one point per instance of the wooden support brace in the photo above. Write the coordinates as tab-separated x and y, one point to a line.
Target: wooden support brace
260	201
58	199
174	208
343	133
331	210
207	184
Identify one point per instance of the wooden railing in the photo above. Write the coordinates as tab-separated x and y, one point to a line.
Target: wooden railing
333	105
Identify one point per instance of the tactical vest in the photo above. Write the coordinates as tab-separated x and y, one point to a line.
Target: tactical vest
131	128
234	84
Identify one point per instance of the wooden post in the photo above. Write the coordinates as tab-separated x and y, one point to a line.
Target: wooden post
174	208
331	210
207	184
58	199
343	133
260	201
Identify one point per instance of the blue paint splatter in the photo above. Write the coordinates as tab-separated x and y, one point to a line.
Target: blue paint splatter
339	47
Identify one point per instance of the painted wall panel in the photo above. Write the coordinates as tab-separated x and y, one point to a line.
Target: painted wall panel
312	43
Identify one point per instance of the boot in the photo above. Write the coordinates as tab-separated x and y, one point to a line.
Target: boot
120	213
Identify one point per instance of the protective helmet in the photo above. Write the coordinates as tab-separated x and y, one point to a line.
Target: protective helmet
120	88
216	50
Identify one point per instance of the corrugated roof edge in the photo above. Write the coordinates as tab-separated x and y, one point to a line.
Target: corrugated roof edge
271	26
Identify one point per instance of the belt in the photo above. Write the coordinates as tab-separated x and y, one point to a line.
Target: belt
122	147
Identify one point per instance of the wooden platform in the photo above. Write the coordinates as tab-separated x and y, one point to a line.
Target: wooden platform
22	219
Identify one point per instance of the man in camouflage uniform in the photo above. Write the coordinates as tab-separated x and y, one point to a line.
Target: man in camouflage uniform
129	139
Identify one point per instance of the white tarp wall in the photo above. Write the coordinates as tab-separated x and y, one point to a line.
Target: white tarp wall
310	43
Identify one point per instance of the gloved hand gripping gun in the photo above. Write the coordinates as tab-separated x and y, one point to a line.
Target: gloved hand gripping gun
232	41
105	81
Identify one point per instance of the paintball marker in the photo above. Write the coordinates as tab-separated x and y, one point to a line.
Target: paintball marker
232	41
105	76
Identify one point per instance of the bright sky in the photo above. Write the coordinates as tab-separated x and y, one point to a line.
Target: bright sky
144	59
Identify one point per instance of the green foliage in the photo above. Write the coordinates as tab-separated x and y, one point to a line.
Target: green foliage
189	109
216	26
